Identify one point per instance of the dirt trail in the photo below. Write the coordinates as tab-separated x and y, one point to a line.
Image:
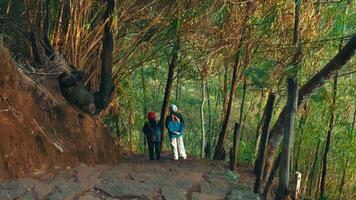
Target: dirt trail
136	178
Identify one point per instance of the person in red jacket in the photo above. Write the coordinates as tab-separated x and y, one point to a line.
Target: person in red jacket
152	132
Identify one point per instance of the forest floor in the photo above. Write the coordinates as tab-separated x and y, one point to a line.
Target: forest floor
136	178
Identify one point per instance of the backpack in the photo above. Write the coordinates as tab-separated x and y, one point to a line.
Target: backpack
155	132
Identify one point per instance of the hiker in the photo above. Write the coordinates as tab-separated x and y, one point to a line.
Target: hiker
175	126
152	132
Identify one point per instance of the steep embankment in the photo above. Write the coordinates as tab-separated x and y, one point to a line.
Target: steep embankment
39	130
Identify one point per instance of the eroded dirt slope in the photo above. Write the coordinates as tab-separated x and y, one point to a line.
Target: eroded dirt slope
39	130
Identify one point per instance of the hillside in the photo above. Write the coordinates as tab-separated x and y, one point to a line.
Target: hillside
40	131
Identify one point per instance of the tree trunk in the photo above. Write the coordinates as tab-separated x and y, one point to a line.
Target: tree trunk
35	50
347	161
328	140
220	146
235	147
242	105
46	28
168	89
312	171
301	129
145	111
258	129
271	176
288	139
202	120
260	161
210	131
305	91
102	98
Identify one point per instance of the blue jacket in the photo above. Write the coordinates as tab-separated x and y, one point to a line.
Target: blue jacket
174	124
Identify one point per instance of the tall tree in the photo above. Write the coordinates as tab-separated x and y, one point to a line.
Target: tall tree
102	98
288	139
260	160
168	90
220	146
328	140
202	120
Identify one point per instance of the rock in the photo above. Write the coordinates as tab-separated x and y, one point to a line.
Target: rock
200	196
125	188
64	191
219	188
171	192
241	194
88	197
17	190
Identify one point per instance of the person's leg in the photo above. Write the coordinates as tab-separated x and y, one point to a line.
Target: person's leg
150	150
181	148
158	150
174	148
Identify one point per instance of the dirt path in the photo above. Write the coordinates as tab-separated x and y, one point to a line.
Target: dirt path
136	179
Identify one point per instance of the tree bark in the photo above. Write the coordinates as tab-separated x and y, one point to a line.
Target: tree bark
305	92
102	98
328	140
46	28
288	139
235	147
167	92
271	176
202	120
260	161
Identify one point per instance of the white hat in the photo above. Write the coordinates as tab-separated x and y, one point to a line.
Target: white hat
174	108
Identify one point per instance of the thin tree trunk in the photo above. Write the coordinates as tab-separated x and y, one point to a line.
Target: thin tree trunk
341	189
220	146
342	184
258	142
288	139
235	147
258	129
208	152
312	171
226	94
328	140
301	125
202	120
260	162
106	84
307	90
145	111
168	89
242	105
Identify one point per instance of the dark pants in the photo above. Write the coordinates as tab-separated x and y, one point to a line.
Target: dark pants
154	147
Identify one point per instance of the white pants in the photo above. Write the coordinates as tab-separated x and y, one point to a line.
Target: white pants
178	148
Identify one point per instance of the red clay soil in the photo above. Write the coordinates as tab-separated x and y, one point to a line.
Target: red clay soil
40	131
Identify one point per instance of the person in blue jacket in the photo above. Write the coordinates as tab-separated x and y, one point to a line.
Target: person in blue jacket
152	132
175	126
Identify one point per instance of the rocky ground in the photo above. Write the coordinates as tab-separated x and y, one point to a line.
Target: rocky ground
136	178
